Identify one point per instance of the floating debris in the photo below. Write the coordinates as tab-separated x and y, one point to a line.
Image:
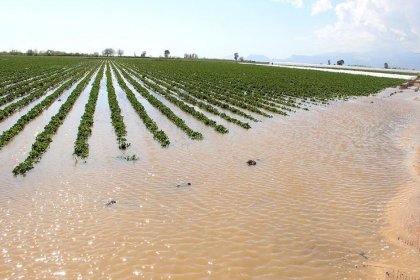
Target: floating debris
363	254
112	202
183	185
130	158
251	162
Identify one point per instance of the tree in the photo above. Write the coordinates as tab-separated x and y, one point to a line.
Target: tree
30	52
241	59
120	52
167	53
236	55
386	66
95	54
329	62
108	52
143	54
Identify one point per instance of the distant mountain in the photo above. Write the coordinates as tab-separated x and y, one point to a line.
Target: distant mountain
252	57
370	59
258	58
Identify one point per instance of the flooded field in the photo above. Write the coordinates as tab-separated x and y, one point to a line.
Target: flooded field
334	195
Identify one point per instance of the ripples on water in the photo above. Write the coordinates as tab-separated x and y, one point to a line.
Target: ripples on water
312	208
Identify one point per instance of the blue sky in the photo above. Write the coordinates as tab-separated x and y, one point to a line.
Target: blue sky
216	28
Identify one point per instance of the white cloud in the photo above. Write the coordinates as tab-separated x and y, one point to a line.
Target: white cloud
294	3
321	6
363	25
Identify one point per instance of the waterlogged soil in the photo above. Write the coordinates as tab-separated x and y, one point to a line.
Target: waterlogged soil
326	200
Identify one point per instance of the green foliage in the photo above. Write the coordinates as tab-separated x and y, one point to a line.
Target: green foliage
32	85
52	82
150	124
43	140
18	85
9	134
81	146
190	110
16	71
164	109
200	95
196	102
116	117
130	158
252	87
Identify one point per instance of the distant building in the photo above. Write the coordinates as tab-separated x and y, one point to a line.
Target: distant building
340	62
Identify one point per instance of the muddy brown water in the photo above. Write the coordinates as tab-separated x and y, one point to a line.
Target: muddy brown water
322	202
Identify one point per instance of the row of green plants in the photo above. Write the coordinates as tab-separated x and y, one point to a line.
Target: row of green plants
211	100
12	73
116	118
12	108
262	82
37	110
34	85
17	86
224	98
207	98
263	100
180	104
246	98
194	101
237	101
18	69
158	135
81	145
162	108
43	139
254	101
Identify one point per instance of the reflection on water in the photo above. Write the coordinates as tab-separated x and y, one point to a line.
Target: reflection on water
312	208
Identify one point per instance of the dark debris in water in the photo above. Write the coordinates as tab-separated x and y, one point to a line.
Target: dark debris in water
251	162
110	203
183	185
129	158
363	254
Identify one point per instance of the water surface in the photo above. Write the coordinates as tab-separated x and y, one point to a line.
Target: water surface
314	207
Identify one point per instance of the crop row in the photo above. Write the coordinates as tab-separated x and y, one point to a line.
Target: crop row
81	145
266	82
18	69
209	99
24	90
43	139
246	97
10	109
9	134
180	104
17	86
116	118
251	96
150	124
237	100
221	97
196	102
191	87
162	108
